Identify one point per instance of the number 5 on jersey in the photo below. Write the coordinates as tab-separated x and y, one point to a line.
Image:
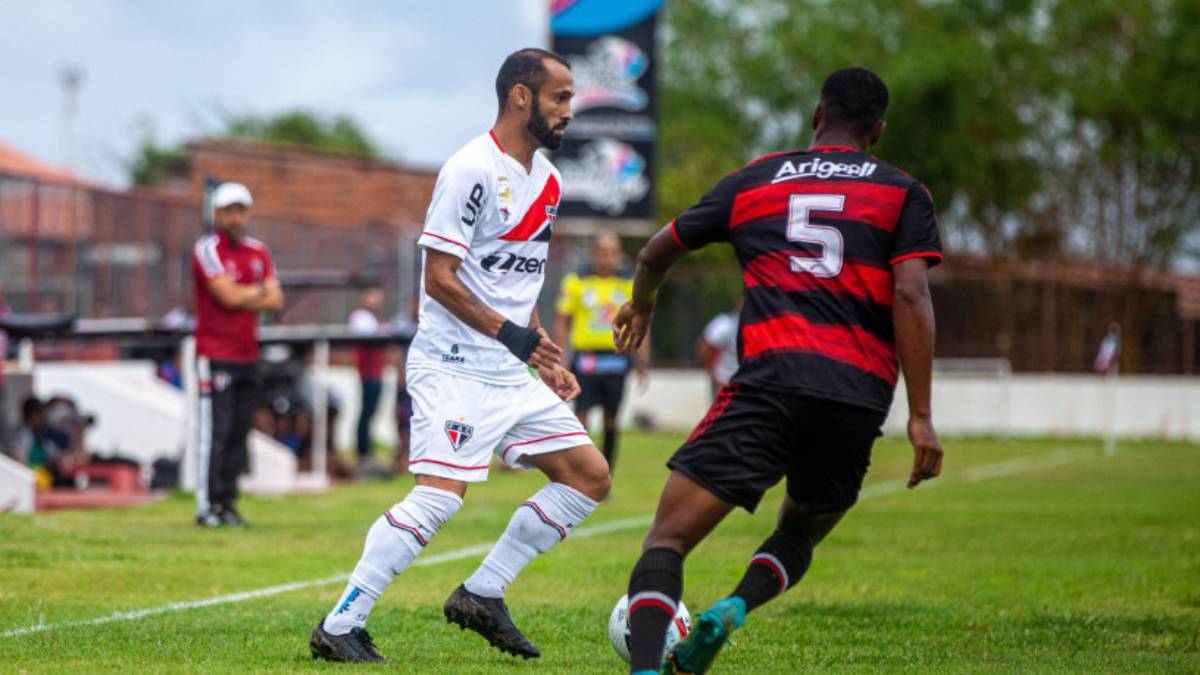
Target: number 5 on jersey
829	263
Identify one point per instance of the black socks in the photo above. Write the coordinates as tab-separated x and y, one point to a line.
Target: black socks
777	566
654	591
610	447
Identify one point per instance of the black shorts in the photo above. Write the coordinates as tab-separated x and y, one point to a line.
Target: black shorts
751	438
605	389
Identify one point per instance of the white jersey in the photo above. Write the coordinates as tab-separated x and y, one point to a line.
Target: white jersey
495	217
722	334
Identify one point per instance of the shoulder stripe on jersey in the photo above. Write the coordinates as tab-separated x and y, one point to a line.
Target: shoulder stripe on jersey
206	253
446	239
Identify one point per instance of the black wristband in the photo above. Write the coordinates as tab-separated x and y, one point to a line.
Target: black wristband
520	340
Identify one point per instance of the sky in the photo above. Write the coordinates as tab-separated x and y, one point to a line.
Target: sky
418	76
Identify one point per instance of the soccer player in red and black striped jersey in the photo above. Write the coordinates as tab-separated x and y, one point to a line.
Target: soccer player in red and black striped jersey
834	246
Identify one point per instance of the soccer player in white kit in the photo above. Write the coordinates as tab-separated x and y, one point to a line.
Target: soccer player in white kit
484	247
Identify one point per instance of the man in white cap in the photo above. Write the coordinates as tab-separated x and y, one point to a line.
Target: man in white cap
234	279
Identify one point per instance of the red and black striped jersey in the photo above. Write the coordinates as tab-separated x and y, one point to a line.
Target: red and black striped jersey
816	233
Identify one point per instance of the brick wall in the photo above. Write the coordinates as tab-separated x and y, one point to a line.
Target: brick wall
309	187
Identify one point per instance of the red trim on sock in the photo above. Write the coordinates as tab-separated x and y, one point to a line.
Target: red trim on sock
653	602
779	573
406	527
562	531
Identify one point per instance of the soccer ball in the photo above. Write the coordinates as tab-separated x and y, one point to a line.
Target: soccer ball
618	627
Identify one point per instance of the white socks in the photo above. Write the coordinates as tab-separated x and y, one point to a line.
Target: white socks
399	535
395	539
541	522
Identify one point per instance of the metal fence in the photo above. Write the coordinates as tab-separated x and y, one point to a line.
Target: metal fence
103	254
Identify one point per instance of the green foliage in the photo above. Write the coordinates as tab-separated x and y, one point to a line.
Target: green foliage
1044	128
1086	567
337	135
151	162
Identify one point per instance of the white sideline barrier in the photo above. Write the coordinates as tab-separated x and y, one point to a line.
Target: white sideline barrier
1165	407
18	486
141	417
1061	405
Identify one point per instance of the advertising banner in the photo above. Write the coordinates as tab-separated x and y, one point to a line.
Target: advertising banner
607	159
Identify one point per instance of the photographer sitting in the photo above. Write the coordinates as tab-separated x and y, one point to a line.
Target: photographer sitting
45	449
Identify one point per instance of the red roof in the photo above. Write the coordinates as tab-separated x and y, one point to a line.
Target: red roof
19	164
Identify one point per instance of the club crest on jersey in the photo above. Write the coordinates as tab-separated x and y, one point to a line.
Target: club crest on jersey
458	433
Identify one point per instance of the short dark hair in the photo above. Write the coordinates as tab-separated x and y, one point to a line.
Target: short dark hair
854	97
29	407
526	66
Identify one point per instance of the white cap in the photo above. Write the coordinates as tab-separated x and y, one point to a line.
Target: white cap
231	193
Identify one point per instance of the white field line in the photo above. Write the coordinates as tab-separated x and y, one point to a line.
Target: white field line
872	491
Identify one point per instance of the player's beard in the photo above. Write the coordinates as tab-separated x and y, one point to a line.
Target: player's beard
539	129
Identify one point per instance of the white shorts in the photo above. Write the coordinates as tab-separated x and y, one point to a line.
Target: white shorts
458	423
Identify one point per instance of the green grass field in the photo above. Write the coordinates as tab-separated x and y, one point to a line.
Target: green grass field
1025	556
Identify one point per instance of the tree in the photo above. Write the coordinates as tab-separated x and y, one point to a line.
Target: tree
338	135
1043	128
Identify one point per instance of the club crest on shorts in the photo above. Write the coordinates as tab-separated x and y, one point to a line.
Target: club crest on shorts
458	433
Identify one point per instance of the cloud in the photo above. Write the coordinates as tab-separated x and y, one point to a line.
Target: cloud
417	75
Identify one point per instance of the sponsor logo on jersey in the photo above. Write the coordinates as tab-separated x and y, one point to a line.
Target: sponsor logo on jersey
607	75
458	433
474	205
453	356
607	174
818	168
504	262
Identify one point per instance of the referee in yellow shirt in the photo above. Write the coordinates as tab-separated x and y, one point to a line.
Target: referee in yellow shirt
586	308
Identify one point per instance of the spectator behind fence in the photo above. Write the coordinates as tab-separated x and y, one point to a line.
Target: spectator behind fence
234	280
370	361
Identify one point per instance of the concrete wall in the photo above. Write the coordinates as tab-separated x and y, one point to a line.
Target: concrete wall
18	486
144	418
1062	405
1027	405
